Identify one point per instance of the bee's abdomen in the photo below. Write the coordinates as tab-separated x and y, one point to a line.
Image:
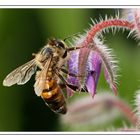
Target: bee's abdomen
53	97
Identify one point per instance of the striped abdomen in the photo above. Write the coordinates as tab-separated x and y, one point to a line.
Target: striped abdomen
53	96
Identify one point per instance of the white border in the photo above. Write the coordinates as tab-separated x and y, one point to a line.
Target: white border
70	136
72	133
69	2
67	6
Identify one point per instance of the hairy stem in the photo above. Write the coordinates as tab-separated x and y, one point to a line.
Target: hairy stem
105	24
127	112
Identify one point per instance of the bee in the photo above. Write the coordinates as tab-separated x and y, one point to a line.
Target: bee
50	60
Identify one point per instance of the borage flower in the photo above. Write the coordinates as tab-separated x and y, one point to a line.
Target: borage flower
86	77
93	54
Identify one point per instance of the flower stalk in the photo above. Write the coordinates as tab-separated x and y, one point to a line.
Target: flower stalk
116	23
104	109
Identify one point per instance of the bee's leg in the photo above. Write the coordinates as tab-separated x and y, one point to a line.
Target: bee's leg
70	74
63	86
73	87
73	48
76	48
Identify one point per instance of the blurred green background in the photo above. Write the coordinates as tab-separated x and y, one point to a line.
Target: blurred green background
24	31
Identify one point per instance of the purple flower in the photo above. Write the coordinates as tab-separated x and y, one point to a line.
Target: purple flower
89	79
86	64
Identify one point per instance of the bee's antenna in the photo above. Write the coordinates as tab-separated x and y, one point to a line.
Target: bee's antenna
76	34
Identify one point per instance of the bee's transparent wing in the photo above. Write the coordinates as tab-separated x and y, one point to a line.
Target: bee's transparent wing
21	75
41	78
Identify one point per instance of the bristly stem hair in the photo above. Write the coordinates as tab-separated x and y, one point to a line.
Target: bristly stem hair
102	25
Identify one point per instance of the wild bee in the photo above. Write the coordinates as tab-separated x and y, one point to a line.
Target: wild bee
50	60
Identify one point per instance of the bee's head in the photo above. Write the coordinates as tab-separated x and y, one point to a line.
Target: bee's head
59	46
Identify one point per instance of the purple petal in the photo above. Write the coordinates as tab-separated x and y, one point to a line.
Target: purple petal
73	68
94	63
94	68
91	85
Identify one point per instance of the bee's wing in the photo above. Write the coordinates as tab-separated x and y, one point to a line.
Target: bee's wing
41	78
21	75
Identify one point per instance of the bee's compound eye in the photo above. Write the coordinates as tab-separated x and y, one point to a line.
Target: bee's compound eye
57	43
60	44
